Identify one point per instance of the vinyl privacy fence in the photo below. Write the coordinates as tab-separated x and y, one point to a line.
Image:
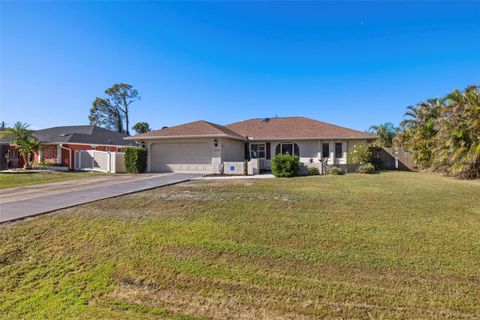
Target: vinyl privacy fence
104	161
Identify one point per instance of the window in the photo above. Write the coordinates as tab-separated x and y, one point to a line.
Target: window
287	148
338	150
257	151
326	150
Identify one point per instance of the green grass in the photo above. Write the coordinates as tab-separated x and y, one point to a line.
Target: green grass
395	245
28	178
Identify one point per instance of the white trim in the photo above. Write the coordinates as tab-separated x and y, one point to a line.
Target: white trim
251	139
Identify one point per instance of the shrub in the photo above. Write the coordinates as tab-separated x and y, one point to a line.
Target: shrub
313	171
337	171
49	164
366	168
135	159
360	154
284	165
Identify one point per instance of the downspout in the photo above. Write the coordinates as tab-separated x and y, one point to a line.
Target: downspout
70	156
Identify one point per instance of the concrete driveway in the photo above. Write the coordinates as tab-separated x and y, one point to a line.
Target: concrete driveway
23	202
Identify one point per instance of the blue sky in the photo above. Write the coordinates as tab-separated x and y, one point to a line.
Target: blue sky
350	63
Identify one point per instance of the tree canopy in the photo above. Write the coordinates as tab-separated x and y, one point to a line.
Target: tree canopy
112	112
24	140
385	132
141	127
444	133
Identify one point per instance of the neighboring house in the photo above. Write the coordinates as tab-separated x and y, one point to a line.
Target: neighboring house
203	146
4	147
58	144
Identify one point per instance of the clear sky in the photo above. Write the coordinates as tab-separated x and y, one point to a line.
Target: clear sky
350	63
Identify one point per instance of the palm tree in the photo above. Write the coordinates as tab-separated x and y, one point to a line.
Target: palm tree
419	130
24	140
457	151
385	132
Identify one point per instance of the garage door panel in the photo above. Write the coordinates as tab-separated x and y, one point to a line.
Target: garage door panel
181	157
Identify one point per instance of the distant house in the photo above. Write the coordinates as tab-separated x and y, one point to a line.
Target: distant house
203	147
58	144
4	147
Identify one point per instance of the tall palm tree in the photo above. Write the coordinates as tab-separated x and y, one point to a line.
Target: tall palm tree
385	132
24	140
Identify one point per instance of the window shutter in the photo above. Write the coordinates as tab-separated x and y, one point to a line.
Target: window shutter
296	150
268	155
247	151
277	149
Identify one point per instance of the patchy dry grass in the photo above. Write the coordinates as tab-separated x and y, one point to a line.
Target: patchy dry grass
28	178
393	245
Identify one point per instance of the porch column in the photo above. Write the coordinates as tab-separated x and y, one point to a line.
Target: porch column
319	149
331	148
40	153
149	156
59	153
216	155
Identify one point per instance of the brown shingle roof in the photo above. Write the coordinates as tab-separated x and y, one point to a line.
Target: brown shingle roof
191	129
294	128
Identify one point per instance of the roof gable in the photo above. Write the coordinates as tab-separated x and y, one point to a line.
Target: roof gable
192	129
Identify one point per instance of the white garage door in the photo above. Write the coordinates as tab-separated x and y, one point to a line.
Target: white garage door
181	157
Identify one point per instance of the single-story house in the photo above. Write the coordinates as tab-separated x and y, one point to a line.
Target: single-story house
58	144
4	147
203	147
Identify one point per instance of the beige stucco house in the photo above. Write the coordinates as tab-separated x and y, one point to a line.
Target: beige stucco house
205	147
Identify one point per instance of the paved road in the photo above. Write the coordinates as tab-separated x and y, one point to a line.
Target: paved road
23	202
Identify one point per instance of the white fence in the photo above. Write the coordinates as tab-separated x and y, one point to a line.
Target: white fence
104	161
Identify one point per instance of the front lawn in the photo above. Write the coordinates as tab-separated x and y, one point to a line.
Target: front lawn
393	245
27	178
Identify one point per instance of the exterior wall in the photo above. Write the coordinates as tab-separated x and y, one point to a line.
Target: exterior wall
232	150
311	151
228	150
47	153
212	167
222	150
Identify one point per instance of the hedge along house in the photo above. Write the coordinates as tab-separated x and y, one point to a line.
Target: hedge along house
203	147
58	144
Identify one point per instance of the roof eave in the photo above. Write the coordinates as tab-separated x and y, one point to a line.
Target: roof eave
313	138
139	138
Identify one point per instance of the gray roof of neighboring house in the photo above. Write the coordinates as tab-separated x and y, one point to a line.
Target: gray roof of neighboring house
5	140
86	134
